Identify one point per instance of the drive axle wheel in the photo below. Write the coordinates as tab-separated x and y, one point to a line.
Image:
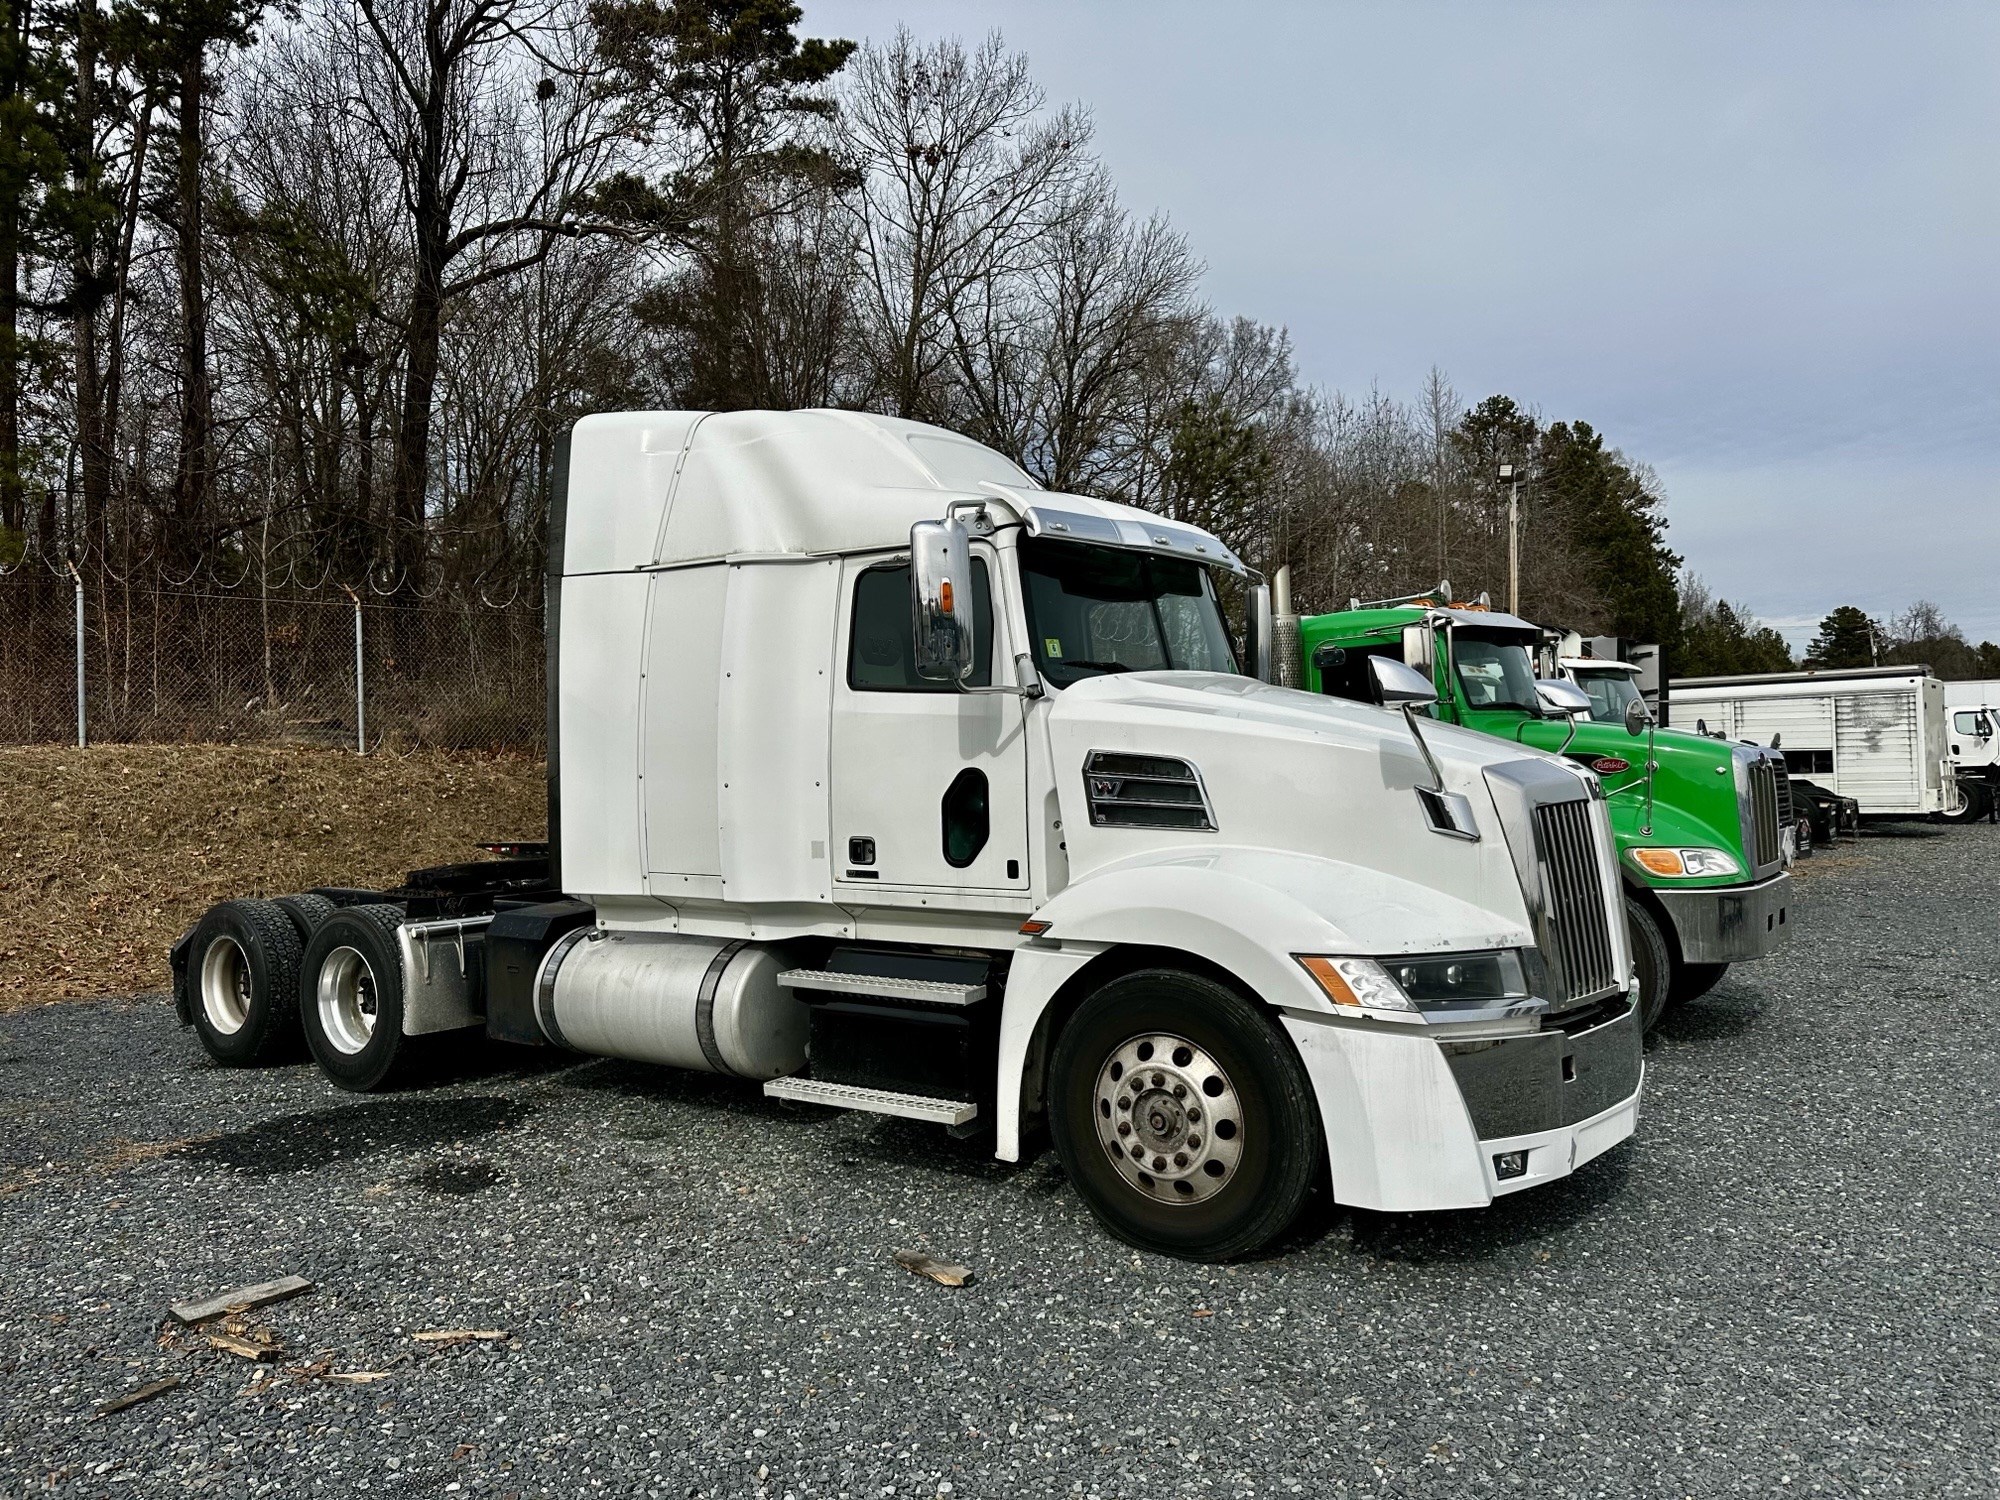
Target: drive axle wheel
351	998
1183	1116
243	965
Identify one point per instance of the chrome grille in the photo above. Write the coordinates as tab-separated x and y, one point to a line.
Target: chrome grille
1762	835
1577	945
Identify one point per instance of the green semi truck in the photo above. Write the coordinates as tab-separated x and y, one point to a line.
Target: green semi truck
1702	826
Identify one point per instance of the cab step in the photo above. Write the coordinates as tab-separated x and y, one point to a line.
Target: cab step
953	1112
884	987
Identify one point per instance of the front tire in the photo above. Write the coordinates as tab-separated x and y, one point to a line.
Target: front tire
1183	1116
1972	804
351	998
1692	981
1652	962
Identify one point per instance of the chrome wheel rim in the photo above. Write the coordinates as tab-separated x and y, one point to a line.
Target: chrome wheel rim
1169	1118
348	1000
225	985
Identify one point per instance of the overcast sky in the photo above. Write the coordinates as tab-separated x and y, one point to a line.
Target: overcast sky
1757	245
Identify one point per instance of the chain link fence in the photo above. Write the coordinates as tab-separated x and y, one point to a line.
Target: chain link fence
89	659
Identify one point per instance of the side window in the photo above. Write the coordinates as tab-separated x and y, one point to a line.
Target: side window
881	649
1344	672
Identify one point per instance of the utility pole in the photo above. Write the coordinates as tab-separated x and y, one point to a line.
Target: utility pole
1510	475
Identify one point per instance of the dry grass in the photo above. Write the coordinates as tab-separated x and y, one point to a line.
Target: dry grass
107	854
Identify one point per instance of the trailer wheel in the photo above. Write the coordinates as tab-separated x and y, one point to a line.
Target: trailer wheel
306	912
351	998
1184	1119
1651	961
243	978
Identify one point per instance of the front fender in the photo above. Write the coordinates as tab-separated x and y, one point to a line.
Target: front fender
1244	910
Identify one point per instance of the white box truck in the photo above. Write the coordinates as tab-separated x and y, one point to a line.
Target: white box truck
1973	710
1875	734
884	780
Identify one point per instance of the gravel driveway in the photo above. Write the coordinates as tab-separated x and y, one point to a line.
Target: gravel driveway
1786	1282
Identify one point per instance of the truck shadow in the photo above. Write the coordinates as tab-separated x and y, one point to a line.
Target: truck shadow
373	1127
1470	1235
1719	1016
873	1139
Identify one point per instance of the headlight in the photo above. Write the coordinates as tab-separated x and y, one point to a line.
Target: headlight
1686	863
1402	989
1452	978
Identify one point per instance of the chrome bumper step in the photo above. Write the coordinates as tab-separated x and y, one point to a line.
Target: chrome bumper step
873	1101
883	987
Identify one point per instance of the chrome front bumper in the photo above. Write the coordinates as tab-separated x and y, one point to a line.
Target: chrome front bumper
1728	924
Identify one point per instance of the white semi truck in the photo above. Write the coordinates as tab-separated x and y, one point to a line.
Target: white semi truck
884	780
1875	734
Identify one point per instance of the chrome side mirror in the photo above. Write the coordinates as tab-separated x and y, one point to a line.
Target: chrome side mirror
941	599
1638	717
1396	686
1419	647
1561	697
1259	631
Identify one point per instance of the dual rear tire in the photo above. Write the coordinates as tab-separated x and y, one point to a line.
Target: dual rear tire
269	981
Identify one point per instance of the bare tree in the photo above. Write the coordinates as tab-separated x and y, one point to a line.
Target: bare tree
961	177
490	111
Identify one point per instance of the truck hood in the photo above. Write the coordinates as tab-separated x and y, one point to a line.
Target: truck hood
1288	771
1255	709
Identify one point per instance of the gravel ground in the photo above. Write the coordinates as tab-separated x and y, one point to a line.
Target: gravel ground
1784	1283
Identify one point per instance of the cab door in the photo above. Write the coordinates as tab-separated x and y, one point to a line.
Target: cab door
929	784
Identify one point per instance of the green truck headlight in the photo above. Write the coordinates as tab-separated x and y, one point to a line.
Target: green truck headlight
1685	864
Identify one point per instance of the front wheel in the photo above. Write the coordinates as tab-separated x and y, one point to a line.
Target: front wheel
1651	961
1971	804
1184	1117
1692	981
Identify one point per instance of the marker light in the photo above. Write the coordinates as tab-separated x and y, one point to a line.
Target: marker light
1356	983
944	596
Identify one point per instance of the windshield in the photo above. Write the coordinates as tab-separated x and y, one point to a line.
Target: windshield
1494	674
1093	610
1610	693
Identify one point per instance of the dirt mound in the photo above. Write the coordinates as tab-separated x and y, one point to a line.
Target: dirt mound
107	854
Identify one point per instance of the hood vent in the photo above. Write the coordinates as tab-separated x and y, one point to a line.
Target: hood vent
1145	791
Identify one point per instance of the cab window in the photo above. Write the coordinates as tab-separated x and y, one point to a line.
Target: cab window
1494	674
1610	694
881	645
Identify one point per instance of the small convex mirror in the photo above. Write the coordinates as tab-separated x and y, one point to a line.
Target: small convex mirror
941	599
1561	697
1638	716
1396	686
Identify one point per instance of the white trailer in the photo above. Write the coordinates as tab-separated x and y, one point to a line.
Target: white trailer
1876	734
884	780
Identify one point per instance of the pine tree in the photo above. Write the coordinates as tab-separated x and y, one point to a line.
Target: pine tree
1847	638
